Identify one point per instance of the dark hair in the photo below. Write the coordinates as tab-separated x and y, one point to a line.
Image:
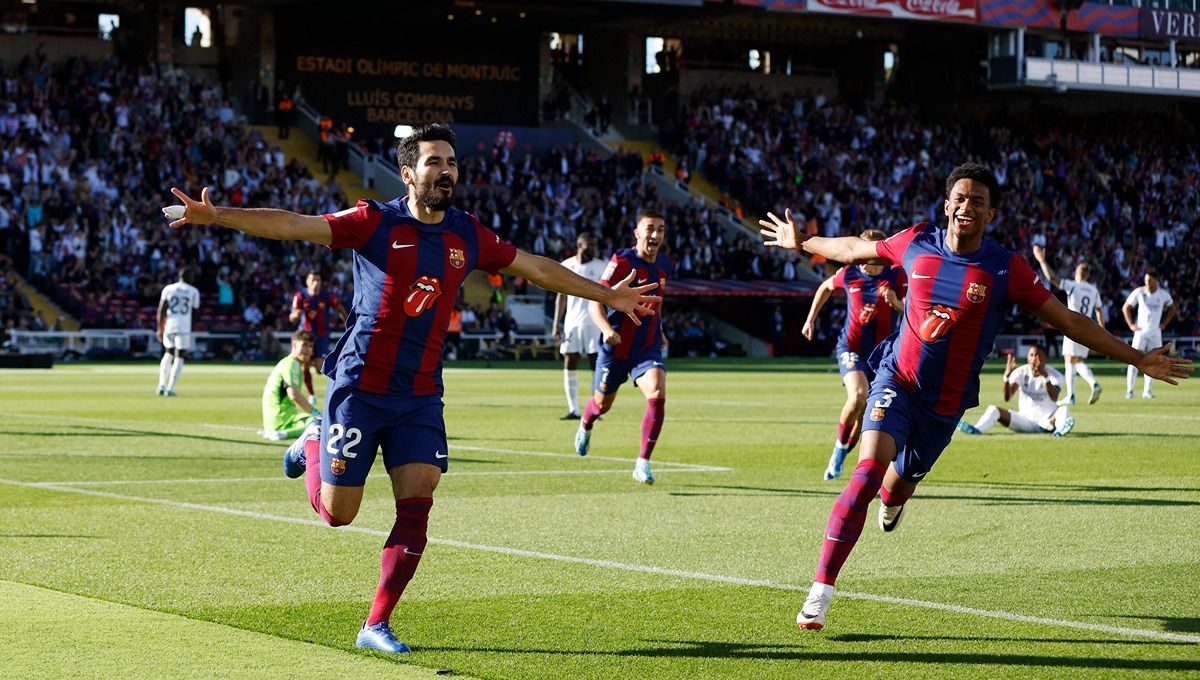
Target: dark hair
1151	271
314	272
652	213
1041	350
979	173
585	236
408	151
304	336
1086	268
185	274
872	235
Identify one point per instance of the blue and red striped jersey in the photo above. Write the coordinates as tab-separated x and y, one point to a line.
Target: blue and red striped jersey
869	318
321	308
406	278
634	338
955	306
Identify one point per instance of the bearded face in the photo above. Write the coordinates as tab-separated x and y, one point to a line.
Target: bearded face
436	193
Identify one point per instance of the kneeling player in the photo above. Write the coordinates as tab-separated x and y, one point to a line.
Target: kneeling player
285	410
1039	386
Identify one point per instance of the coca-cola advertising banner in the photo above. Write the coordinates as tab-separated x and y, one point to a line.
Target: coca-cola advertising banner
936	10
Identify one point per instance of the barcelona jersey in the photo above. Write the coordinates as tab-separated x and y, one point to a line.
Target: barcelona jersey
869	318
635	339
322	305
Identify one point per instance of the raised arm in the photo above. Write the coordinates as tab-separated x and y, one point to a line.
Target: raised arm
1010	389
633	301
824	291
1083	330
1039	254
265	222
783	233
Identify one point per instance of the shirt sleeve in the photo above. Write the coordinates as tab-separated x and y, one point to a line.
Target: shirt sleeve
195	299
892	248
1024	286
618	268
295	375
494	252
839	278
297	301
901	285
1014	378
1170	300
352	227
1054	378
1068	285
1132	300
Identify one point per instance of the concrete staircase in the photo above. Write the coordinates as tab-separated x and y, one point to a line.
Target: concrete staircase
303	148
45	307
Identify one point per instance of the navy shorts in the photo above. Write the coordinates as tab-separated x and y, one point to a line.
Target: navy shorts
921	435
321	347
611	373
358	424
852	361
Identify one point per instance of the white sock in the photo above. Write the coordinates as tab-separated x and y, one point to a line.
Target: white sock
989	418
1061	414
1146	384
164	370
176	369
1086	371
571	385
1070	379
1130	377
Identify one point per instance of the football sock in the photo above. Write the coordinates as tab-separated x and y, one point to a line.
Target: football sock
843	437
989	418
847	518
176	369
164	370
312	481
1130	378
1146	382
652	422
1070	380
591	411
401	555
893	498
1061	414
1086	372
571	385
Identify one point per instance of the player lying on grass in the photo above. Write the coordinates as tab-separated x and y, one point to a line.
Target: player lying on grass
961	286
1038	386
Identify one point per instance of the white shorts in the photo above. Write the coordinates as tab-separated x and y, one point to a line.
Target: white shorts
1074	349
180	341
581	339
1144	341
1018	422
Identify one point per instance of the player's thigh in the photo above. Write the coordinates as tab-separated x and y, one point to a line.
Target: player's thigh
929	437
416	434
1073	350
349	438
572	342
571	360
414	480
889	412
1020	422
653	383
610	374
857	386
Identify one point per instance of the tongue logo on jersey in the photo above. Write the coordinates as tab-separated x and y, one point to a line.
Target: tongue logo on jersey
866	313
422	294
937	323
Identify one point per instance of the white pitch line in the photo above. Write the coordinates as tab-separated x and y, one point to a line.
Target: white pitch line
642	568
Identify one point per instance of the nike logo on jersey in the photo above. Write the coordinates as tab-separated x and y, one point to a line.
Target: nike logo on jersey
439	454
921	276
397	245
855	290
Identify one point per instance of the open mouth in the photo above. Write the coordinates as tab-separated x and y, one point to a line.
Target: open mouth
964	220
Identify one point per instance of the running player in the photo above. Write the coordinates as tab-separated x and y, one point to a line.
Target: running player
1151	301
961	286
175	307
873	309
410	258
311	307
580	335
1082	297
1038	386
286	412
629	350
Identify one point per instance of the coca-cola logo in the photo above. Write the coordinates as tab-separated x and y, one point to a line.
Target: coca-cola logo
931	6
937	8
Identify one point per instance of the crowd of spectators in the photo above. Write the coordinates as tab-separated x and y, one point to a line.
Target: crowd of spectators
1121	193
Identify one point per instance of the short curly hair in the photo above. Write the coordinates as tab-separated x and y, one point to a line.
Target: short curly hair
979	173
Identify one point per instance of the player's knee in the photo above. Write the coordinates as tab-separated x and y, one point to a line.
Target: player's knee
858	397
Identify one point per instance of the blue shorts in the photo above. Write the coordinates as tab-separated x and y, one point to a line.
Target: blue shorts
852	361
921	435
611	373
321	347
358	424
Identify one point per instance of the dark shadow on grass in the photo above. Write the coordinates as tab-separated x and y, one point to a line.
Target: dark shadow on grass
1050	486
868	637
688	649
98	431
1172	624
46	536
986	500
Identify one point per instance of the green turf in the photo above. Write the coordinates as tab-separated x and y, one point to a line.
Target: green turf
164	523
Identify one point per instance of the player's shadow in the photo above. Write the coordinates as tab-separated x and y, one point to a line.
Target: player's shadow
1052	486
737	490
1169	623
98	431
870	637
46	536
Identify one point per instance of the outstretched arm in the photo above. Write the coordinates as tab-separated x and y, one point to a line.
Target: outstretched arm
1083	330
1039	254
824	291
1010	365
633	301
265	222
783	233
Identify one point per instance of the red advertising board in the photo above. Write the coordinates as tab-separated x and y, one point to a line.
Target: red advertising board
937	10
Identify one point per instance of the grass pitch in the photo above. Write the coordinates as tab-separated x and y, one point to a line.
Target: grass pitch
142	536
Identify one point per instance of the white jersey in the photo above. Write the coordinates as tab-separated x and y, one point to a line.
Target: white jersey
1150	306
1034	401
179	299
577	307
1082	297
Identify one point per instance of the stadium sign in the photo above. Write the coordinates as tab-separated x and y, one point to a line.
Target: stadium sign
1170	24
938	10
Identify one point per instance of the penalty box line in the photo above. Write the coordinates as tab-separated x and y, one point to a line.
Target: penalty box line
640	568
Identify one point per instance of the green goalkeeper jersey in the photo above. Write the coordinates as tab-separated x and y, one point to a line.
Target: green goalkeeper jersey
289	372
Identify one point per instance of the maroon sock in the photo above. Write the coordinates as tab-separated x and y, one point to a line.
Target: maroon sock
401	555
843	433
892	499
652	422
847	518
851	444
312	481
591	411
308	381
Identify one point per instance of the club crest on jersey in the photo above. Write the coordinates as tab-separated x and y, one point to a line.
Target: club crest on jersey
877	414
937	323
976	292
337	466
866	313
458	259
422	294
